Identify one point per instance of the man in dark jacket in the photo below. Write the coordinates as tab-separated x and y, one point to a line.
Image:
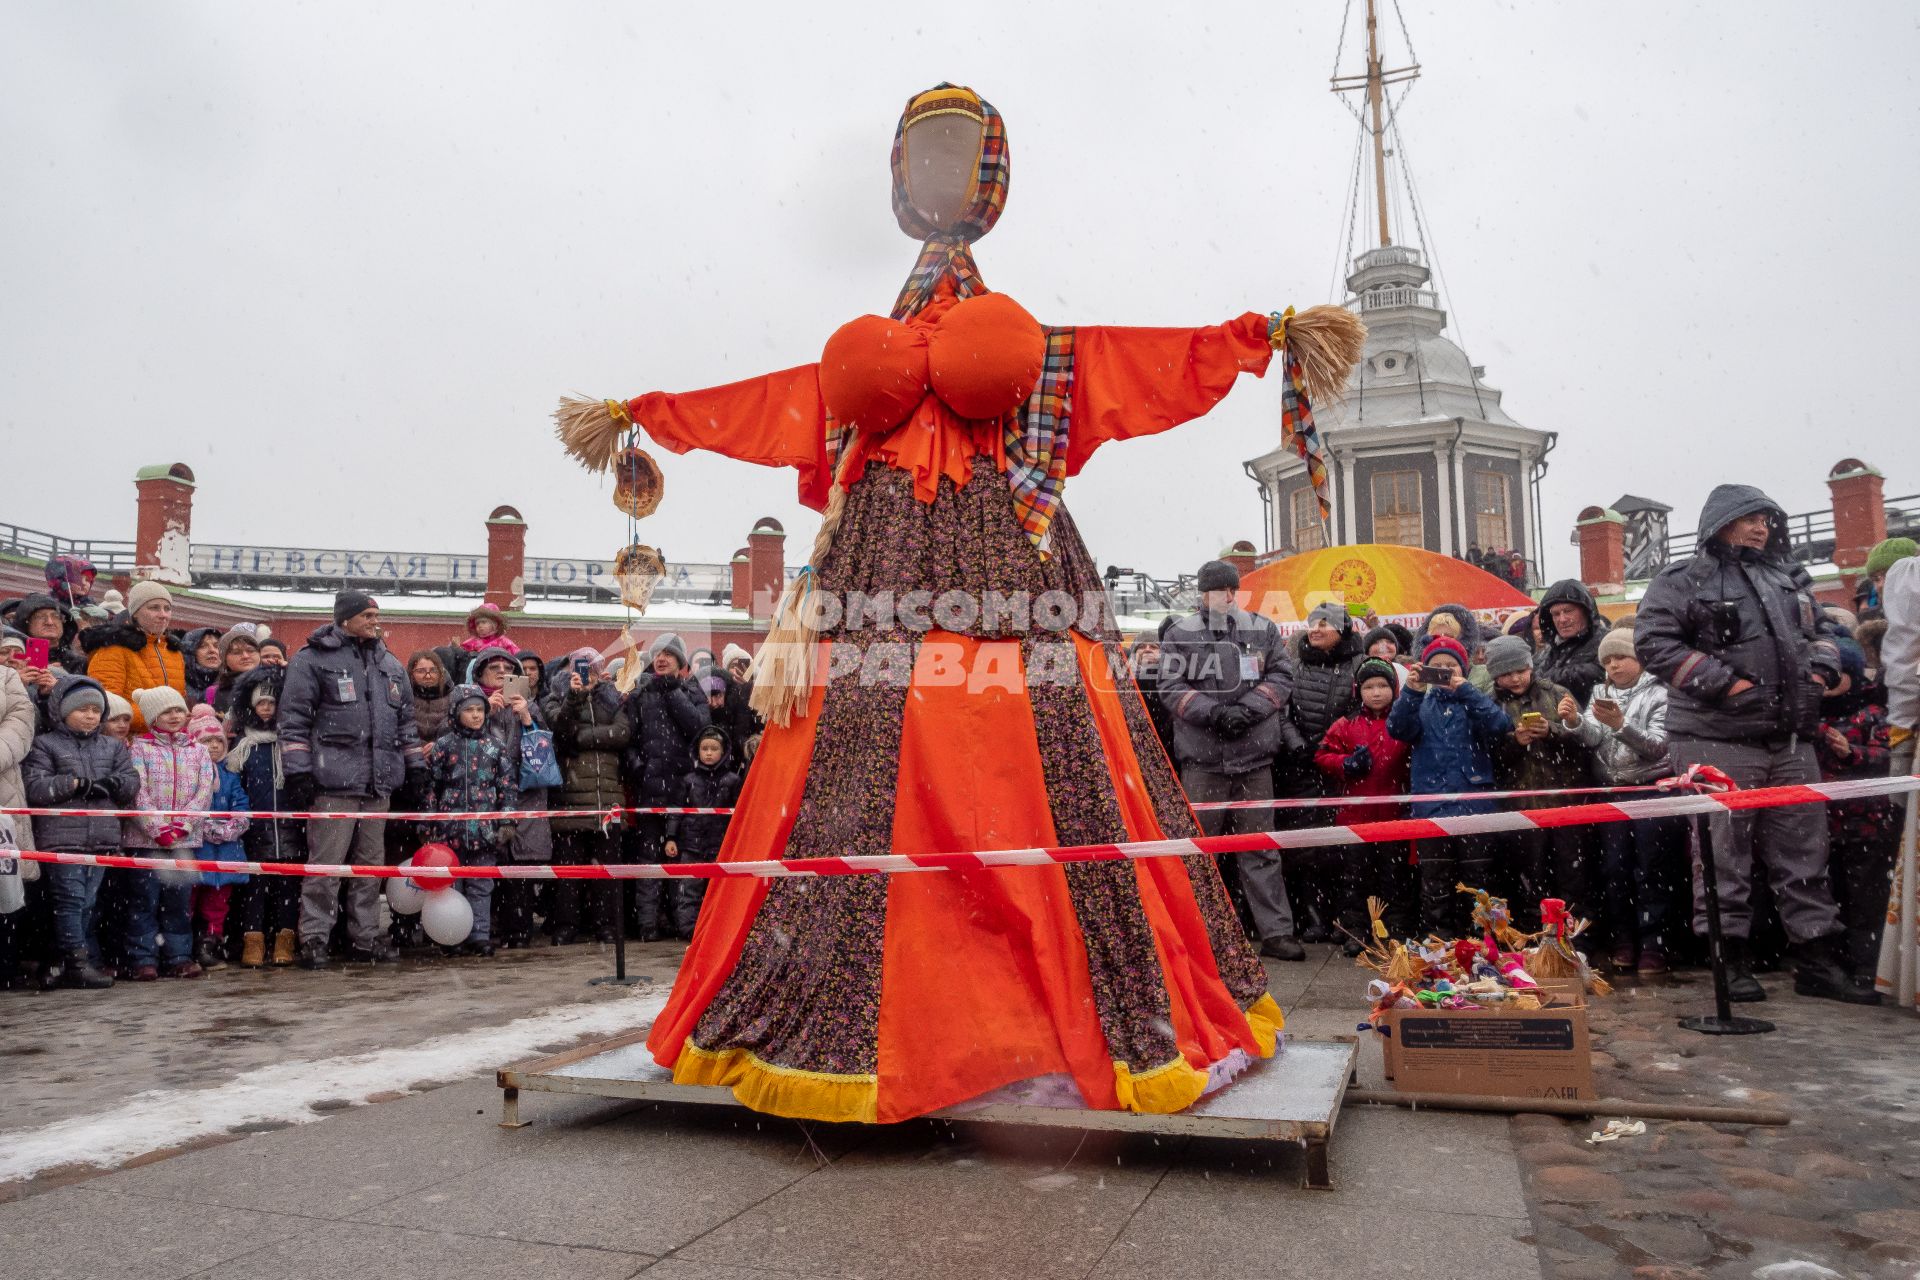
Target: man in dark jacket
75	766
1573	628
1737	635
348	741
1325	657
665	712
1226	677
591	733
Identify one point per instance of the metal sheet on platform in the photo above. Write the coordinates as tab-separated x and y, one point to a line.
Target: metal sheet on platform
1293	1096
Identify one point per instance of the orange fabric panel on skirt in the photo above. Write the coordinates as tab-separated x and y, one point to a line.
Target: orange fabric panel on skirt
763	818
1206	1020
985	972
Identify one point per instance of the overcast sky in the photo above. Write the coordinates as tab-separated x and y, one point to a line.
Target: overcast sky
342	258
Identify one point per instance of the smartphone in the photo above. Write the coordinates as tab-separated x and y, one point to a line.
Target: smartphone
39	653
1435	674
583	667
517	684
1608	703
1531	718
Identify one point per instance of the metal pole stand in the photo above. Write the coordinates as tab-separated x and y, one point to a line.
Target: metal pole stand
619	978
1721	1022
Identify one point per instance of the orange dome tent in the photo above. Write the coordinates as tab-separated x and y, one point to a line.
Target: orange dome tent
1393	582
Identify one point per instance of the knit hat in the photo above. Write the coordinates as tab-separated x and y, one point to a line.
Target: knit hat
1508	654
1883	557
1333	614
81	694
734	653
351	604
118	706
1617	643
1218	575
1376	669
112	601
711	685
1853	662
145	593
715	732
11	639
234	637
1447	645
265	691
1846	618
156	702
1378	634
204	720
669	642
1522	624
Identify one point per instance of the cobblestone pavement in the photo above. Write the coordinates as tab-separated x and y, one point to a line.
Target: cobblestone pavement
1837	1192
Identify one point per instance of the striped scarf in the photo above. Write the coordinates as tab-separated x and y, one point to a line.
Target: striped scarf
1037	433
1298	433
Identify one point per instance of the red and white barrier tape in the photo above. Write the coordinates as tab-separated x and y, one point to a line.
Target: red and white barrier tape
1399	830
346	815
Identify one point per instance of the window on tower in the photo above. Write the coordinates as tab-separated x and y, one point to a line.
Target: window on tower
1396	509
1309	534
1490	527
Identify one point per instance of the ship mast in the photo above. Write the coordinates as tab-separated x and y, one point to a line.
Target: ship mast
1374	82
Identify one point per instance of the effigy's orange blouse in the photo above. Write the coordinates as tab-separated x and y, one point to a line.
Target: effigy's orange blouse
979	354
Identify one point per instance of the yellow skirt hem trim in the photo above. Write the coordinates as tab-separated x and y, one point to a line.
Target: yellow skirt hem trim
781	1091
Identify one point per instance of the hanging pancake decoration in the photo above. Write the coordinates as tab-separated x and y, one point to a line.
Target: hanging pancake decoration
638	569
638	484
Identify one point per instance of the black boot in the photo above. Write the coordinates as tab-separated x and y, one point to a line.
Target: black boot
1742	986
82	972
1817	973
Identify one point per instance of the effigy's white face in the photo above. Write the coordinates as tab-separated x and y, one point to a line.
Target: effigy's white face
942	161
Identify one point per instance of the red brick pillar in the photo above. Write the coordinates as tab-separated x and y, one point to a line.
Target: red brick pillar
742	588
506	560
1859	513
766	567
163	529
1603	550
1240	556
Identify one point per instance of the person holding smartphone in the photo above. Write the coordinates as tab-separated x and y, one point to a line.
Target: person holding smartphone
1452	728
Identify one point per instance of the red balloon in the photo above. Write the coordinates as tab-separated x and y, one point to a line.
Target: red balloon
433	855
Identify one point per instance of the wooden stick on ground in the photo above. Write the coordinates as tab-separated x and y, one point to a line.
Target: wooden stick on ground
1568	1107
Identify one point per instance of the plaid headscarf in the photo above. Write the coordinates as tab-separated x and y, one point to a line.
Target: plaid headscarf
1037	432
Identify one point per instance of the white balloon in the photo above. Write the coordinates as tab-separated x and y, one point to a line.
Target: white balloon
447	917
403	898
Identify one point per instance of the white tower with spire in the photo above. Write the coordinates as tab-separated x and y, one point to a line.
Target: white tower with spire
1421	451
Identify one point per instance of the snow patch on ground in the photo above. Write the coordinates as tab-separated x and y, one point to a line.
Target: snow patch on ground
285	1092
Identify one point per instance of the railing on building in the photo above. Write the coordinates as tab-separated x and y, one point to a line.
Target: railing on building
1810	534
1381	299
107	556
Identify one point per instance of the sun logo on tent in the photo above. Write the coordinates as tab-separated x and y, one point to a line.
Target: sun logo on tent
1354	580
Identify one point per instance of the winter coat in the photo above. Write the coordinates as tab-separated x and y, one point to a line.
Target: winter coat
706	786
176	773
738	718
1323	683
128	659
1389	775
433	712
346	716
1900	650
224	838
59	760
1636	752
590	733
1861	719
470	771
258	760
19	717
1573	664
1729	614
1453	733
1201	668
1553	762
533	839
663	716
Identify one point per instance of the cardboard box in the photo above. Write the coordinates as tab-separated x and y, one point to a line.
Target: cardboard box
1541	1053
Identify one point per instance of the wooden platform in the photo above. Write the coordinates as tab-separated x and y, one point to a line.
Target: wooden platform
1294	1096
